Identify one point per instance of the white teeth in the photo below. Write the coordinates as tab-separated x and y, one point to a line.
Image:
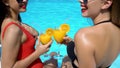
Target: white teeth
83	8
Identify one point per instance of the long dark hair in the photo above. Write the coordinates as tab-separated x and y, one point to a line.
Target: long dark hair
115	12
4	12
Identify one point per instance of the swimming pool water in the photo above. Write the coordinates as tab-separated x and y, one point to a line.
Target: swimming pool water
43	14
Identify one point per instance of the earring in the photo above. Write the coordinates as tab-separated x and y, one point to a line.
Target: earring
7	4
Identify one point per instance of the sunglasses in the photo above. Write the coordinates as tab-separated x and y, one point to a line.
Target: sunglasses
19	1
85	1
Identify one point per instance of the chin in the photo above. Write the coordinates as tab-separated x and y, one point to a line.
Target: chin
22	10
84	15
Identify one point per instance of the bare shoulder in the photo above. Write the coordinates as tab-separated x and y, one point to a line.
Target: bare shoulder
12	27
84	33
91	31
12	30
88	35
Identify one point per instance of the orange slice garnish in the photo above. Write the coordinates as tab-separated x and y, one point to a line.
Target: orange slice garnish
49	31
65	27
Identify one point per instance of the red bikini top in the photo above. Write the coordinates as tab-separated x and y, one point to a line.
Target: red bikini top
27	47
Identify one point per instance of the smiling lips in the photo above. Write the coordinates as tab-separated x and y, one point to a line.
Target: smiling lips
24	7
84	10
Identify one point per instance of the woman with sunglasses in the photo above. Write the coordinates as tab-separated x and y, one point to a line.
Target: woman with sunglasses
99	45
18	43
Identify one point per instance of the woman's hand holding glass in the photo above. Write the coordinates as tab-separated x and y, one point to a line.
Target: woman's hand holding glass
44	42
43	48
66	40
45	39
60	33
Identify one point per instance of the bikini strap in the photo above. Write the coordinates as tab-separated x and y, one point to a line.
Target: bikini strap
106	21
7	27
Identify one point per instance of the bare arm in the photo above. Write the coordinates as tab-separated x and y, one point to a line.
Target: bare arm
10	47
84	50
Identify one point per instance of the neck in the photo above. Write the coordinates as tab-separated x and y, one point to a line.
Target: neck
102	17
14	15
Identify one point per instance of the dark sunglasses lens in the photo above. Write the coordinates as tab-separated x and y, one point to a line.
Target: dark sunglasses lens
19	1
85	1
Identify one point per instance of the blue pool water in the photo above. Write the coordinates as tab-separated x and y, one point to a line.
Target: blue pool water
43	14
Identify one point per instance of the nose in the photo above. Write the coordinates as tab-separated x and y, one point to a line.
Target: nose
80	1
24	0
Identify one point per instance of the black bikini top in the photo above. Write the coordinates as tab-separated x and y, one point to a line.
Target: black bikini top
106	21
